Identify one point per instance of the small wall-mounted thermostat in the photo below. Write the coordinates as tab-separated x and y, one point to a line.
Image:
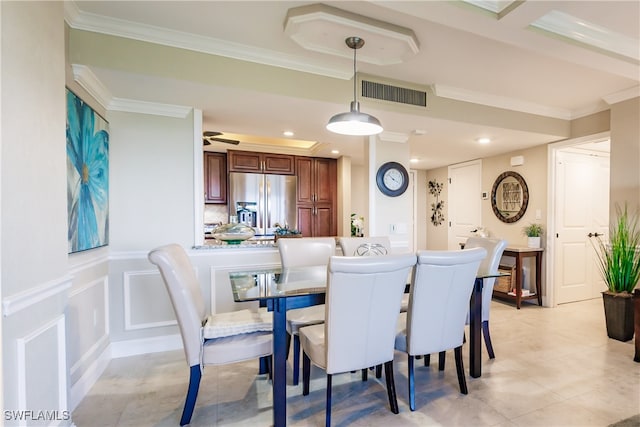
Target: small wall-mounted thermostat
485	195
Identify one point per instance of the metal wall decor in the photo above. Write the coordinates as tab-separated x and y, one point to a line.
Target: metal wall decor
437	217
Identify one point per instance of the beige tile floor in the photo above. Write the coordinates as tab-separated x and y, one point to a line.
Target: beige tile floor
553	367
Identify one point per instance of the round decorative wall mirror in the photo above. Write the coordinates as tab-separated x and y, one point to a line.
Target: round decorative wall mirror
509	197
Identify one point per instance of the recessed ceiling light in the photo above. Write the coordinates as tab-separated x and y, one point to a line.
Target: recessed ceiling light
414	160
335	152
483	140
288	133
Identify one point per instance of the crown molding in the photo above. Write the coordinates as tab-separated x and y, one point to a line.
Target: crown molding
80	20
623	95
153	108
92	84
465	95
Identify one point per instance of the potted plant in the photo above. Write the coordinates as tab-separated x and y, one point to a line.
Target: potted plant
533	233
619	264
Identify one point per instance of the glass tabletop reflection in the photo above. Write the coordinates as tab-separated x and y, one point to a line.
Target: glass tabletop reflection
278	282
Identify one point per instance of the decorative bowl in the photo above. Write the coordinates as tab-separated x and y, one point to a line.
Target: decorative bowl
233	233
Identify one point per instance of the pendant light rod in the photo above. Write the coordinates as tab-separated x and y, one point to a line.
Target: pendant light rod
354	43
354	122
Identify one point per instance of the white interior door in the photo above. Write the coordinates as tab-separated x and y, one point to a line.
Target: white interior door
582	208
465	201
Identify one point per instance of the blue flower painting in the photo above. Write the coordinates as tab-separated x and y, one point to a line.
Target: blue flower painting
87	176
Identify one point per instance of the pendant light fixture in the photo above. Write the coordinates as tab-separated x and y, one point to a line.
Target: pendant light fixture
354	122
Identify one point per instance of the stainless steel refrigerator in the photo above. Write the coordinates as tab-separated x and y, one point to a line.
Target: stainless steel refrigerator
263	200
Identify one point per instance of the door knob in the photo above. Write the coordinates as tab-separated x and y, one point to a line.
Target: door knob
590	234
594	234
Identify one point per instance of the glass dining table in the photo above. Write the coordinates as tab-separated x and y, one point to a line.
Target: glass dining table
282	289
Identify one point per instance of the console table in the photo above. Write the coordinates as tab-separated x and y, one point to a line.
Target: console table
520	253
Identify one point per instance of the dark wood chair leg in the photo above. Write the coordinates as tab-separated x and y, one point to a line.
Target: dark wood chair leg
442	356
427	359
306	373
391	386
327	421
411	381
462	381
268	365
192	395
379	371
365	375
487	339
296	359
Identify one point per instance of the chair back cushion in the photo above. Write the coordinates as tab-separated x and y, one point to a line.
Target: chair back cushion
186	296
364	246
306	251
362	306
439	299
495	248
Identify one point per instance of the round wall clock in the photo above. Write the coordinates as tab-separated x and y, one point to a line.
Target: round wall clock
392	179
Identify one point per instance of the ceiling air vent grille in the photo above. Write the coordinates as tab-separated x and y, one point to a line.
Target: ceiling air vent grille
393	93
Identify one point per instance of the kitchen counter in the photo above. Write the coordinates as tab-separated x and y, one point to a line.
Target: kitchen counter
212	244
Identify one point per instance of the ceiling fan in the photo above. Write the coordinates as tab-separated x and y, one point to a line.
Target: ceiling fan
210	136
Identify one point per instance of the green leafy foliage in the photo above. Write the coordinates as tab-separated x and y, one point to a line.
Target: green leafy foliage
533	230
619	258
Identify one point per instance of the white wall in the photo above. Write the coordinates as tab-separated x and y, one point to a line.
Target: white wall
34	207
151	181
385	211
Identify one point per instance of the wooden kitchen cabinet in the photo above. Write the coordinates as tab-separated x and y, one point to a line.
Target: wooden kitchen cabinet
317	196
252	162
215	178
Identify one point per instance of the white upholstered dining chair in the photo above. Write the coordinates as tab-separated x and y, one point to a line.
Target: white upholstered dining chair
217	339
362	306
438	304
365	246
304	252
490	264
369	246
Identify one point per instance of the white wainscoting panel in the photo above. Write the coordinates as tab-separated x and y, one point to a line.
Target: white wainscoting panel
146	301
101	340
30	362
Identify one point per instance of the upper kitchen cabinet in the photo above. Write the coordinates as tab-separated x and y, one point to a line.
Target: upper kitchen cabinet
317	196
215	178
250	162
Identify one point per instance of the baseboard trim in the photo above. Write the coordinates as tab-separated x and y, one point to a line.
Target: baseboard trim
80	389
145	345
117	350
